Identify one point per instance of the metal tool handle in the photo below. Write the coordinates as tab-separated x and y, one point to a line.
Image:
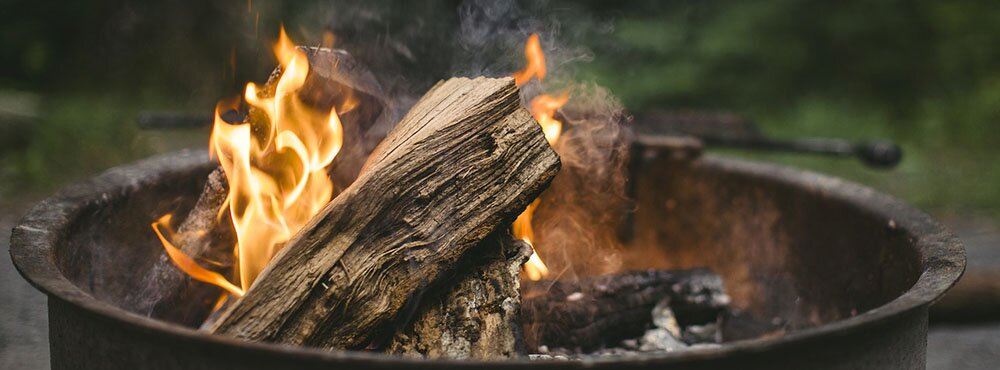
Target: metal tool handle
152	120
734	131
873	153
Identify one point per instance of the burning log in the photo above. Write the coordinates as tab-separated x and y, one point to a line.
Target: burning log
465	160
334	79
476	313
169	294
597	311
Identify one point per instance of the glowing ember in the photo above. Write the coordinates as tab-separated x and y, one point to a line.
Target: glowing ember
276	167
543	108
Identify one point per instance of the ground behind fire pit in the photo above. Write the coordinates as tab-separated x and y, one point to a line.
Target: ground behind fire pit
24	324
24	329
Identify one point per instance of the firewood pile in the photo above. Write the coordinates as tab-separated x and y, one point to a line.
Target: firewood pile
414	253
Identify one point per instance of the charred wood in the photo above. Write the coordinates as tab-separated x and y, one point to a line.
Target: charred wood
600	311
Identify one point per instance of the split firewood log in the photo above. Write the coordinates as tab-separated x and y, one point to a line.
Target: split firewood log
465	160
599	311
475	313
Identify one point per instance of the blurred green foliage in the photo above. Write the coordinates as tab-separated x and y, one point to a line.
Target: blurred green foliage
924	73
80	133
94	65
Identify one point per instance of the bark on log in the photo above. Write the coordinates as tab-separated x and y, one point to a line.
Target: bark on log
476	312
169	294
599	311
466	159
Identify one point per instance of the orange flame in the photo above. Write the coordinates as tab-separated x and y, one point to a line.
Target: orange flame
536	62
543	108
186	263
535	269
276	167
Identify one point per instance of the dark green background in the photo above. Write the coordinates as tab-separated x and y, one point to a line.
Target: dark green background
923	73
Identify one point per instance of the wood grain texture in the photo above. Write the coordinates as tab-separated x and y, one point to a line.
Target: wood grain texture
466	159
476	314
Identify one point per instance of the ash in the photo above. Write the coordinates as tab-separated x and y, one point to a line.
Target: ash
665	336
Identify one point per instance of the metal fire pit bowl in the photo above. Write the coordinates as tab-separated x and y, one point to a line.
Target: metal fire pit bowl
851	270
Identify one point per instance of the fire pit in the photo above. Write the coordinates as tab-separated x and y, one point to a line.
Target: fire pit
322	237
850	271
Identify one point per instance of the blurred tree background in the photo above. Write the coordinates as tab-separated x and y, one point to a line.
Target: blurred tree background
924	73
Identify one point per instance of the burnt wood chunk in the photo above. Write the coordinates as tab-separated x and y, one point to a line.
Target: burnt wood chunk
207	236
600	311
466	159
475	313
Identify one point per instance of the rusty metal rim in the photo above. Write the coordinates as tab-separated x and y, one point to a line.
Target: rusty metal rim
34	239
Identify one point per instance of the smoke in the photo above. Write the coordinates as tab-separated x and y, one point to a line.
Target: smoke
580	215
411	45
577	221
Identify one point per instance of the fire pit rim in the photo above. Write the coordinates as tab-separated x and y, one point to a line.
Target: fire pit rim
33	241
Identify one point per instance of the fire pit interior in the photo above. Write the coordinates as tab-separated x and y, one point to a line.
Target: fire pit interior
841	267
